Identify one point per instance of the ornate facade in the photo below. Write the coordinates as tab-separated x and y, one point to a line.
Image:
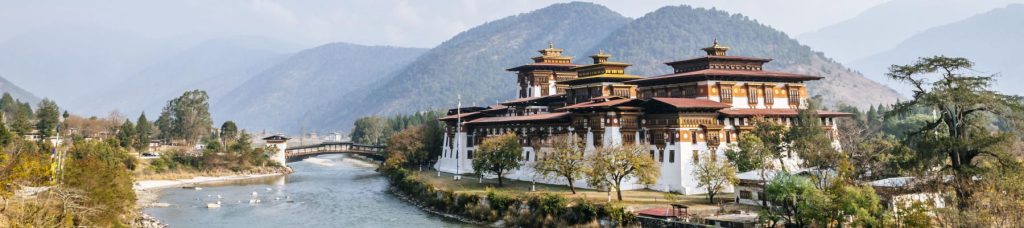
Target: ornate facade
700	108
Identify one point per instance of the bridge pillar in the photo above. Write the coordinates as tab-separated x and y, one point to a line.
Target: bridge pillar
280	145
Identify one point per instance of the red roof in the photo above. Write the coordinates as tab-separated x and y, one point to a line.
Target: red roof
727	73
657	212
684	103
598	103
534	65
776	112
722	57
456	116
529	99
534	117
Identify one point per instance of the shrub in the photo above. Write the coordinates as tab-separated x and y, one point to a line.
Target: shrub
499	201
583	212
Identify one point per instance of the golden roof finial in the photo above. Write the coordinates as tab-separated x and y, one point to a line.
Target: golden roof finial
715	49
551	44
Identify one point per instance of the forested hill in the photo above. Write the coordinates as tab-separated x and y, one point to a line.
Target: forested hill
679	32
17	92
279	97
473	63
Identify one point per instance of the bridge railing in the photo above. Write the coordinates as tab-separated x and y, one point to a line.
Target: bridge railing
332	147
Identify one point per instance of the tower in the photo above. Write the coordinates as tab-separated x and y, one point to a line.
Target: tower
538	78
280	144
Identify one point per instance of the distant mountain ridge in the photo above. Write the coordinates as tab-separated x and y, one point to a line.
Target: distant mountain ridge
282	94
985	39
17	92
884	26
472	63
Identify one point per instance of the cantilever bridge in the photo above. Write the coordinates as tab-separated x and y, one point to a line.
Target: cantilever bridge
300	152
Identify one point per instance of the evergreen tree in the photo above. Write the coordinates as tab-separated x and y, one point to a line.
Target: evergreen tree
126	134
143	132
47	118
228	131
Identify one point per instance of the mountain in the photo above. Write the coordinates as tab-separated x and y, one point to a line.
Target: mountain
281	95
988	39
67	61
678	32
17	92
216	66
473	62
884	26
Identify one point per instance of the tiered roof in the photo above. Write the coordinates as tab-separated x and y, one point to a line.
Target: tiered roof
601	71
550	58
719	66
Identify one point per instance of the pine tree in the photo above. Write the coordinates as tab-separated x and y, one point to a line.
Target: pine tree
143	132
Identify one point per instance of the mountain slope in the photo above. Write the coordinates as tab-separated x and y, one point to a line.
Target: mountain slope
17	92
281	95
990	40
216	66
67	61
473	63
884	26
678	32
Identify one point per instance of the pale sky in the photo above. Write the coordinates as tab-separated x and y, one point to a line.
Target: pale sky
372	22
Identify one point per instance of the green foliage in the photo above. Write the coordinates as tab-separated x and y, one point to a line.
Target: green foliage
143	133
794	200
228	131
809	140
498	155
98	169
126	134
757	148
186	117
47	118
500	201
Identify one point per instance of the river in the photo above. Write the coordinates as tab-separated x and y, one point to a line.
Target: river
324	191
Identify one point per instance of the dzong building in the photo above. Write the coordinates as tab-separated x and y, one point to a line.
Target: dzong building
700	108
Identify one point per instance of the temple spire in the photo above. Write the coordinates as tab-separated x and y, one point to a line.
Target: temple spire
715	49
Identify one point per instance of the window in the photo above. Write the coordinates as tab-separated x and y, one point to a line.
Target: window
745	195
769	95
752	94
469	154
696	157
652	154
690	91
794	96
671	156
675	92
661	156
693	137
527	155
726	94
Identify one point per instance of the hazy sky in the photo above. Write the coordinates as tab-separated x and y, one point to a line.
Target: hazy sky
378	22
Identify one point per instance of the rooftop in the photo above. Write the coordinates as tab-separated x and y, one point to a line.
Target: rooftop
689	103
527	118
776	112
724	74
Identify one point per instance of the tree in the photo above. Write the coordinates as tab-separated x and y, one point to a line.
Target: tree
498	155
810	141
143	132
126	134
186	117
100	170
228	131
565	160
47	118
714	175
406	148
966	134
370	130
610	166
793	200
757	148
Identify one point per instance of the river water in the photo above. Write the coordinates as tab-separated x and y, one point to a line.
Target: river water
324	191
